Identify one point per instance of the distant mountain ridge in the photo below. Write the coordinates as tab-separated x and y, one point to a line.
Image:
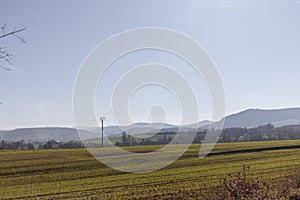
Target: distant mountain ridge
44	134
245	119
255	117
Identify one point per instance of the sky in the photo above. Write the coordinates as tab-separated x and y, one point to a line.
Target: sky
254	44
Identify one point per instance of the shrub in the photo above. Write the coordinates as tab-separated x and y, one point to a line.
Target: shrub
241	186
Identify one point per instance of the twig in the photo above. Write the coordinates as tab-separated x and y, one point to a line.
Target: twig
6	68
10	33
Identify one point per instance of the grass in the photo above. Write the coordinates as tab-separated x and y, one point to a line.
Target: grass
75	174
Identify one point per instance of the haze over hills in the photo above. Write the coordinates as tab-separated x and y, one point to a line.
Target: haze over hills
248	118
43	134
137	128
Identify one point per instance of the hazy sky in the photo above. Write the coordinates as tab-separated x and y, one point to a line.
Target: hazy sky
255	45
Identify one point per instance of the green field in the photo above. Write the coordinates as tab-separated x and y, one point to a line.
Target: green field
75	174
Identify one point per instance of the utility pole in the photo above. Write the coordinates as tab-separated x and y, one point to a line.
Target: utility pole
102	120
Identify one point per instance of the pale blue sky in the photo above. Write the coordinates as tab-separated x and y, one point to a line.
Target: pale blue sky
255	44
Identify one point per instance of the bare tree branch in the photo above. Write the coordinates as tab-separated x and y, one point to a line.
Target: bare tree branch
13	32
20	38
4	54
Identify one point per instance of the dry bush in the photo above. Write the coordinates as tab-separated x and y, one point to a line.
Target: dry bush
241	186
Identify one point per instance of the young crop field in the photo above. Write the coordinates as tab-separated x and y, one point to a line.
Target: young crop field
75	174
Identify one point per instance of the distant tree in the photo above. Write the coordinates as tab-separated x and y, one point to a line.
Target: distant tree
30	146
124	138
52	144
129	139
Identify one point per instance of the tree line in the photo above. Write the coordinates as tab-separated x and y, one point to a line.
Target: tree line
51	144
260	133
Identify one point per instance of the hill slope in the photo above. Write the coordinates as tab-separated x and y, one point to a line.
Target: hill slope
255	117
